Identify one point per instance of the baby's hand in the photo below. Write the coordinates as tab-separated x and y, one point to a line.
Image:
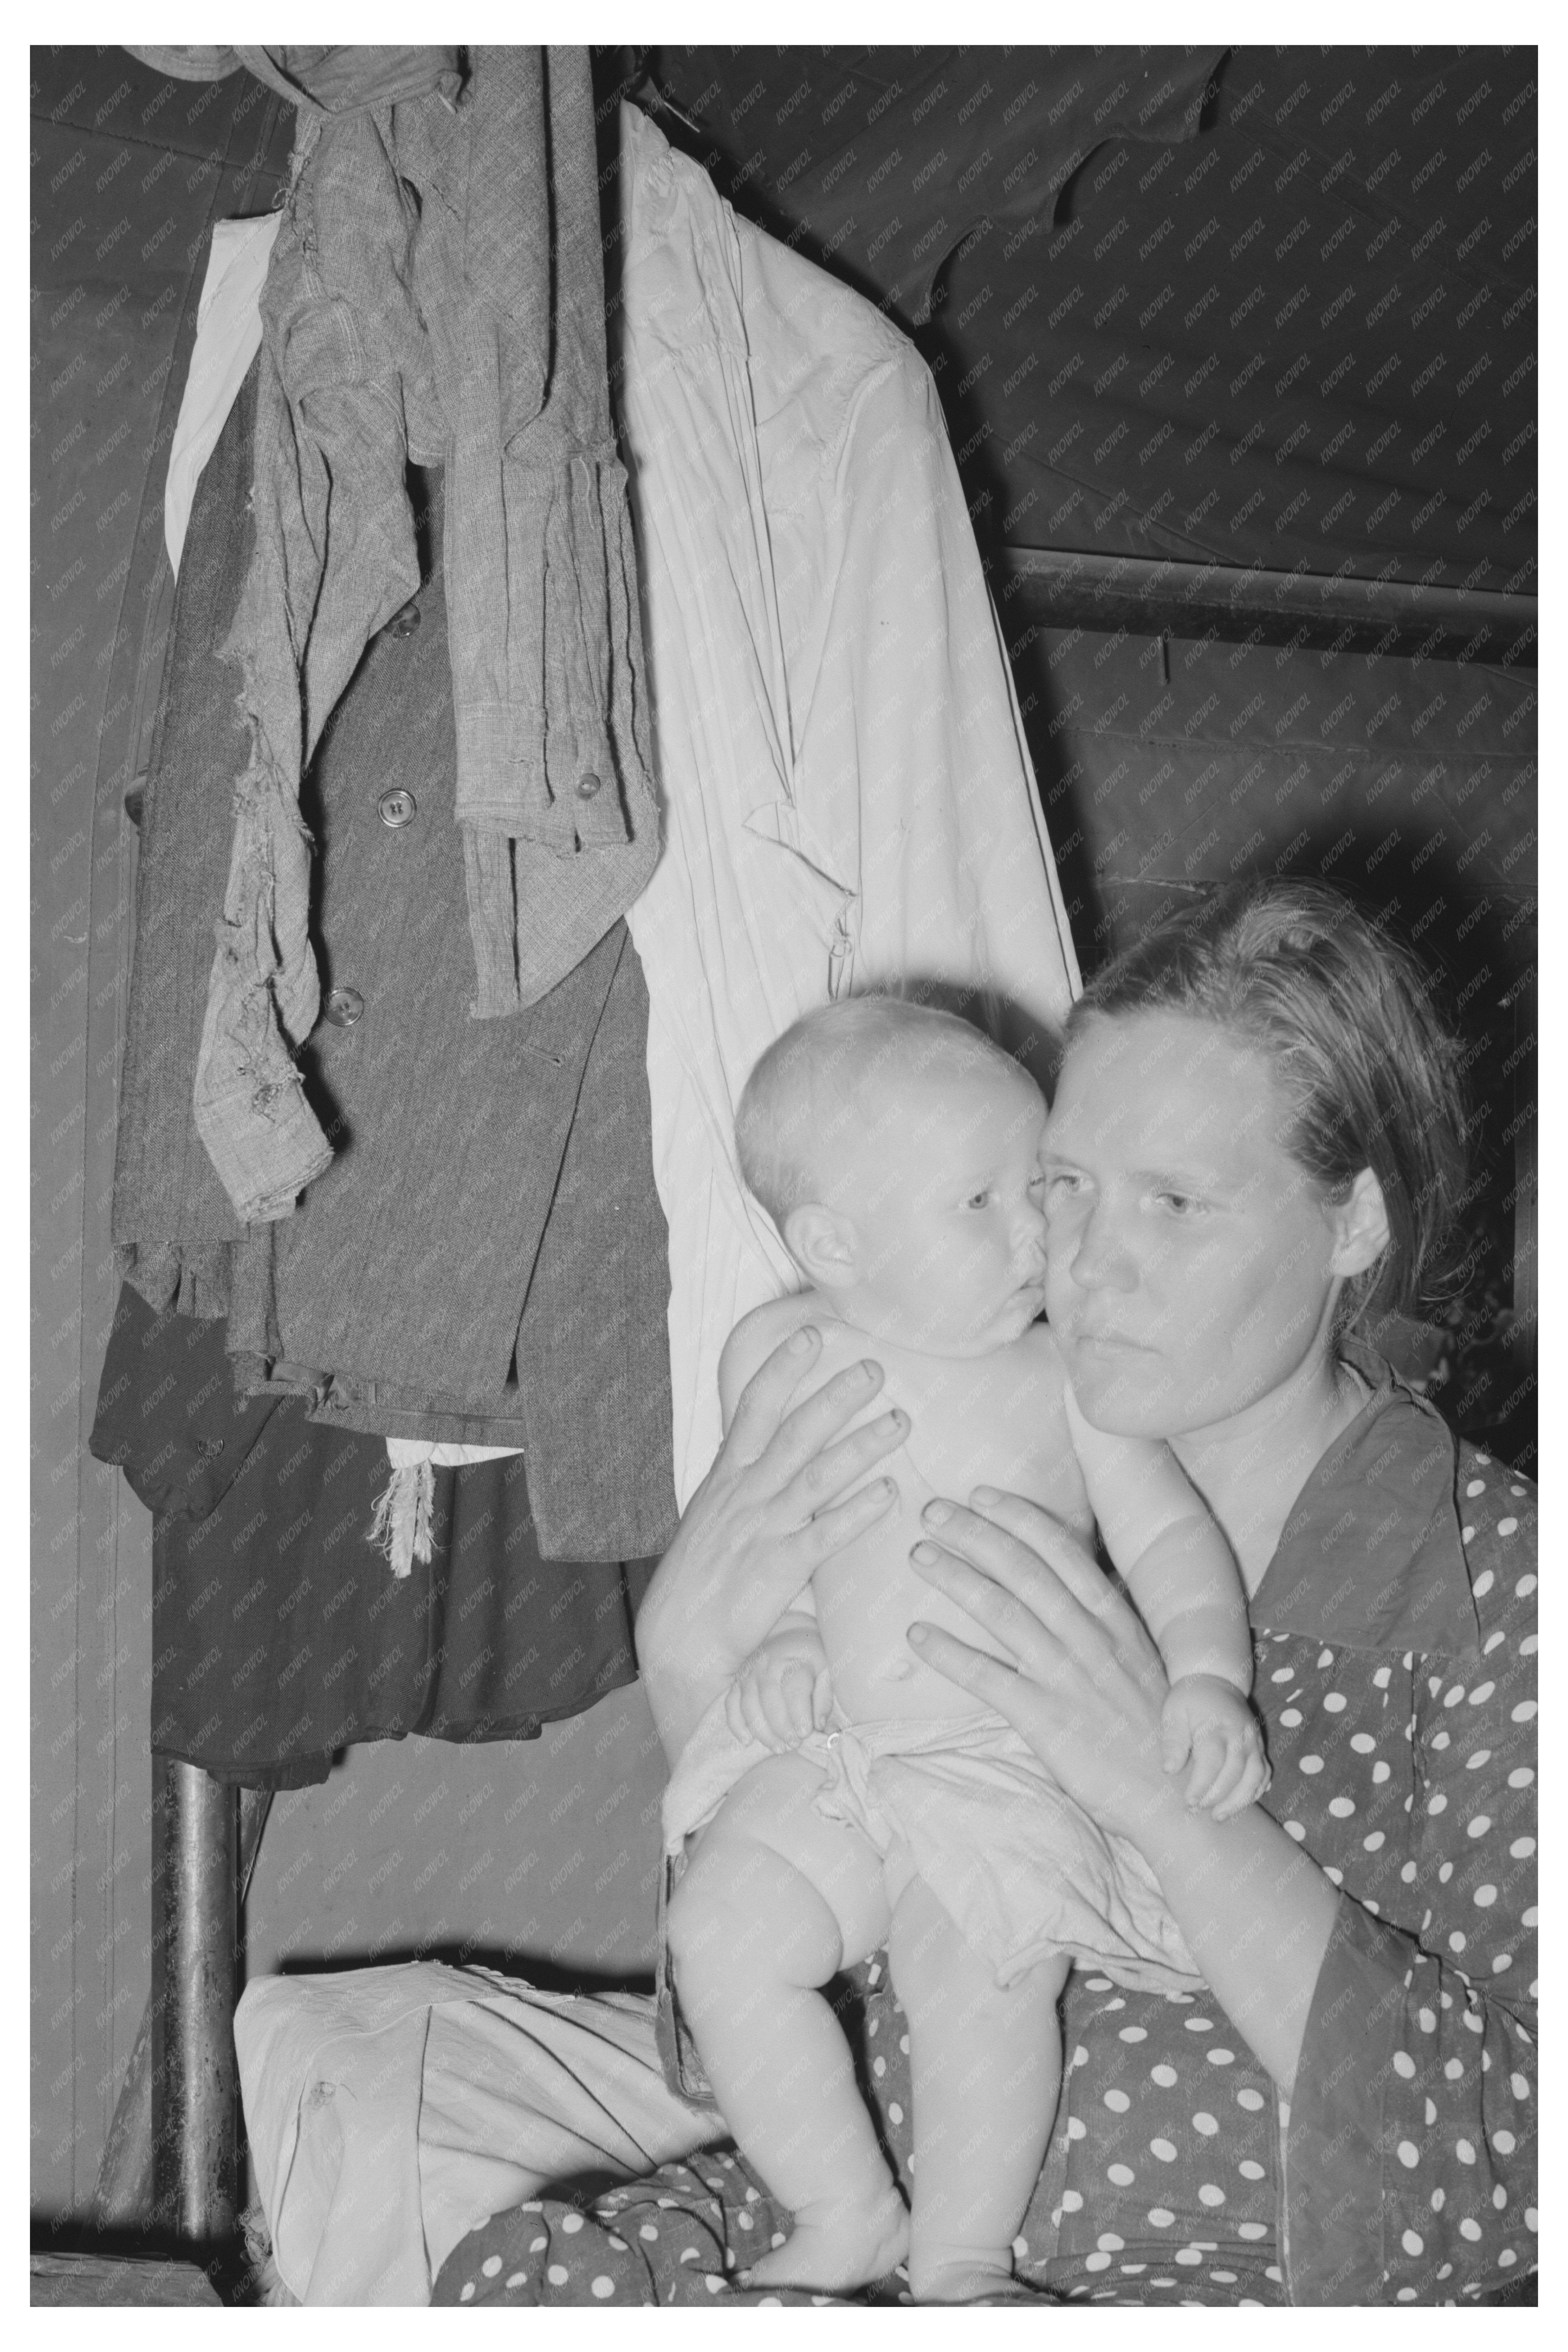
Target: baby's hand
781	1692
1206	1720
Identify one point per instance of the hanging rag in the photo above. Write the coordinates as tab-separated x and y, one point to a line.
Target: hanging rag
434	294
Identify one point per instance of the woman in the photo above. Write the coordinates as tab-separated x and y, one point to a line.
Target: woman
1256	1140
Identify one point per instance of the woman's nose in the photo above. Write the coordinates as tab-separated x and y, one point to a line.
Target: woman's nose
1098	1256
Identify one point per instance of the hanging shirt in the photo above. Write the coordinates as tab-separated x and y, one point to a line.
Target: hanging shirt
848	800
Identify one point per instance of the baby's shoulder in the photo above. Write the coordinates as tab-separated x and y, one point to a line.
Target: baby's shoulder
758	1333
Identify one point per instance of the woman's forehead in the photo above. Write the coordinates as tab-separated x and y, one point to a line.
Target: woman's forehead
1167	1079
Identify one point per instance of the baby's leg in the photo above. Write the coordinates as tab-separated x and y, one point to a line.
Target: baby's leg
773	1901
985	2068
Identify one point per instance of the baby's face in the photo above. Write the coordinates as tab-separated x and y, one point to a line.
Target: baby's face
947	1198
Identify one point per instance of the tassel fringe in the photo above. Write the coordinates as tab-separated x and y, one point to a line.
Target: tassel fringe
401	1526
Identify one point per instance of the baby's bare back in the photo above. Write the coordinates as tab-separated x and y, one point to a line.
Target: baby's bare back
995	1420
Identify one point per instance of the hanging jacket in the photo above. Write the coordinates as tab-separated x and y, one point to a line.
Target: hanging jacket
486	1258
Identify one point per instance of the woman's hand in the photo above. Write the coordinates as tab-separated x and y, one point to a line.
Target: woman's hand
1087	1695
785	1493
1088	1685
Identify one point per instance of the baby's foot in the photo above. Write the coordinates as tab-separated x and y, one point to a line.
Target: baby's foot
837	2246
966	2278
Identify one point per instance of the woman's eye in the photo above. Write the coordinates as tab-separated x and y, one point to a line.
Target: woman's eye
1180	1204
977	1199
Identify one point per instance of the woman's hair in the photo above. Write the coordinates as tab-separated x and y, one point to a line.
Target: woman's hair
1345	1015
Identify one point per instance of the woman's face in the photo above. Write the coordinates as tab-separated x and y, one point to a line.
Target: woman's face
1190	1257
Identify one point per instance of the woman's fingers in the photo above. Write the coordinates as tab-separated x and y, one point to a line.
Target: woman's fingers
1009	1588
764	1400
793	1439
972	1670
1056	1544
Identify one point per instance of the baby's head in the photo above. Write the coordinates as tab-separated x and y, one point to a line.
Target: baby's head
897	1151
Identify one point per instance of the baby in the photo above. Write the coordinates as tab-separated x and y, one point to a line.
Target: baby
842	1793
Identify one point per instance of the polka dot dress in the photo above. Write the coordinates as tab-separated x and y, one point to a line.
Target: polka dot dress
1408	2174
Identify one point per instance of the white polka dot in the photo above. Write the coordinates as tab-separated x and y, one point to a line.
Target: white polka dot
1380	1773
1309	1764
1248	2170
571	2223
1404	2295
490	2265
1476	1486
1158	2218
1525	1587
1209	2193
1504	2143
1198	2025
1097	2261
1123	2175
1412	2243
1522	1847
1506	1527
1409	2154
1077	2127
1403	2063
1118	2102
1362	1742
537	2245
1374	1843
558	2274
1335	1877
1464	2151
1205	2124
1163	2149
1482	1693
1456	1941
465	2294
1188	2254
1506	2257
602	2287
1485	1897
1452	1698
1530	2217
1466	1535
1325	1657
1222	2057
1110	2243
1291	1717
1440	2198
1483	1584
1072	2201
1381	1676
515	2280
1342	1808
1529	1916
1524	1712
1427	2019
1294	1829
1132	2033
1431	2115
895	2113
1252	2228
1437	1804
648	2231
1529	1646
1502	1960
1281	1673
1482	1756
1163	2075
1499	2198
1408	1871
1469	2229
1021	2249
1250	2100
1335	1702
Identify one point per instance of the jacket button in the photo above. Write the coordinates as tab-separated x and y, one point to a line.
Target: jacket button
587	786
343	1007
396	809
404	623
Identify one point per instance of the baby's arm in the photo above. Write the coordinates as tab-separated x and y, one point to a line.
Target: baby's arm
781	1692
1180	1571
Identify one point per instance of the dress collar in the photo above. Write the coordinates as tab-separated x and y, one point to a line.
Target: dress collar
1370	1557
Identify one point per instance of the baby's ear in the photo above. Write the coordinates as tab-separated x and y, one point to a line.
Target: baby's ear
824	1244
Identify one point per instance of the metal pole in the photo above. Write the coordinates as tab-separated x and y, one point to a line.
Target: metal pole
194	2076
1062	587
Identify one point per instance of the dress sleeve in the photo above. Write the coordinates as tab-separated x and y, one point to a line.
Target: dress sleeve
1410	2138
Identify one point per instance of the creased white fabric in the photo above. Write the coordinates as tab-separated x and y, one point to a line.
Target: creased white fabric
228	336
848	796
